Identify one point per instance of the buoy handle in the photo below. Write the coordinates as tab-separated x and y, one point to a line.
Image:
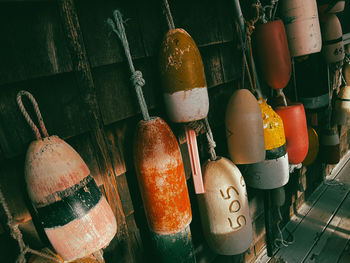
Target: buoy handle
27	117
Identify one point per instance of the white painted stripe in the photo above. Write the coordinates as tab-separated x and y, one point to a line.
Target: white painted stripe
186	106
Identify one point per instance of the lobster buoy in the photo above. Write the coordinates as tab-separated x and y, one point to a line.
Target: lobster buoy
295	128
333	45
331	6
300	18
244	128
312	82
278	196
183	80
224	208
161	177
342	107
75	215
273	172
313	146
272	51
330	146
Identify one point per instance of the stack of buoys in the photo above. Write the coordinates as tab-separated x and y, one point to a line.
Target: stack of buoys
244	128
224	208
332	35
312	82
273	172
300	18
75	215
342	107
330	146
273	55
295	128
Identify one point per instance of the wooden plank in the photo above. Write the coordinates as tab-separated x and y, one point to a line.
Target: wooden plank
345	256
31	43
313	225
333	241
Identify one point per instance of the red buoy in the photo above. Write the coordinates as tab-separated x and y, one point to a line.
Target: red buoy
161	177
272	51
74	214
295	128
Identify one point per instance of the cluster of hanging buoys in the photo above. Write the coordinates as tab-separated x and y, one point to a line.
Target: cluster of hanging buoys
300	18
75	215
160	174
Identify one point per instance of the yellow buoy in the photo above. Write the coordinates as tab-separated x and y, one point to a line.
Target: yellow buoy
313	147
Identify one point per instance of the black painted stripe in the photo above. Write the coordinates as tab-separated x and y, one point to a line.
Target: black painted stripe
276	153
333	41
80	199
343	99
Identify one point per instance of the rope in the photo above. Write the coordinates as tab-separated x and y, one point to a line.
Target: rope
138	82
17	235
281	93
167	13
27	117
283	242
210	138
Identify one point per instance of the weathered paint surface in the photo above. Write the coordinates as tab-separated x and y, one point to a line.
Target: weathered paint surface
329	6
187	105
182	76
273	126
342	106
273	55
268	174
302	26
244	128
175	248
332	35
161	177
313	147
295	129
85	235
76	217
224	208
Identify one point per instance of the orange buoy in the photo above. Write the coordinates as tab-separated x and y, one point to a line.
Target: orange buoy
224	208
244	128
74	214
330	146
182	76
313	146
332	35
330	6
272	51
300	18
161	177
295	128
341	113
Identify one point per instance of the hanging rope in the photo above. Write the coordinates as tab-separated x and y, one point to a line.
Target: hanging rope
27	117
138	82
17	235
281	93
168	15
282	241
210	138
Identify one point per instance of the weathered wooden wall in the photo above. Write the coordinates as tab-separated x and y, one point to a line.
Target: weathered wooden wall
35	56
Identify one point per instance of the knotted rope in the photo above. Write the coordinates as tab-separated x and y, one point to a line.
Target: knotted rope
211	142
168	15
17	235
27	117
138	82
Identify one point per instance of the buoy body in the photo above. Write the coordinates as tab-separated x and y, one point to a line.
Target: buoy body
342	106
39	259
224	208
273	55
161	177
300	18
331	6
75	215
244	128
330	146
295	129
332	35
313	147
273	172
182	76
